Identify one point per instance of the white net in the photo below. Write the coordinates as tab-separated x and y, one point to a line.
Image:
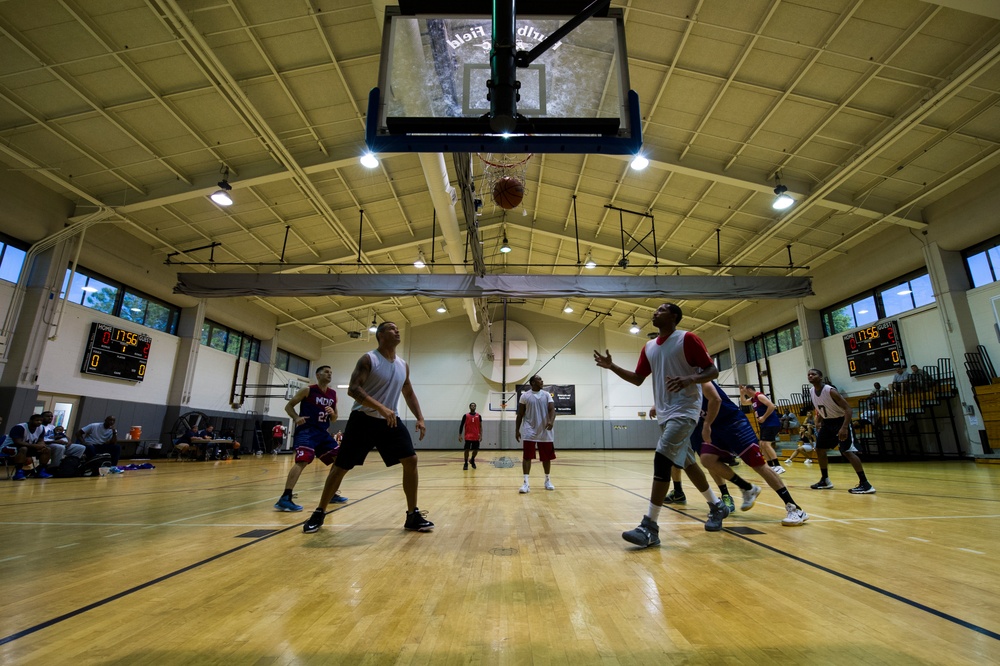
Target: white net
496	168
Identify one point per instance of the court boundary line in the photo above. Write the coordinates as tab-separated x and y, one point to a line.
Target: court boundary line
850	579
10	638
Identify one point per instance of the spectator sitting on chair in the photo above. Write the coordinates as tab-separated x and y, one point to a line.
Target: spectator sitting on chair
188	444
877	392
212	448
918	378
58	441
807	441
101	438
899	379
28	439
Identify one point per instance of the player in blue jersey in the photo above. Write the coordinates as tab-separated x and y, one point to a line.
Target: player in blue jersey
317	410
767	420
723	432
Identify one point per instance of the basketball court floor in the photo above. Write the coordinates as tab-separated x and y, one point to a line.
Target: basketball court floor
190	564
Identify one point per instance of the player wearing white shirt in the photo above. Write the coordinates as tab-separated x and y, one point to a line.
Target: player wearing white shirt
536	414
833	428
679	364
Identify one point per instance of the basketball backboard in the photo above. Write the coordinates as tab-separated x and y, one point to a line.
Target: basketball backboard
433	92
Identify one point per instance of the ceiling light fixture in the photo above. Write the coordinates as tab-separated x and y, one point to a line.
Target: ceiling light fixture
635	327
374	327
567	308
505	248
639	162
221	195
419	263
369	160
589	263
783	201
442	308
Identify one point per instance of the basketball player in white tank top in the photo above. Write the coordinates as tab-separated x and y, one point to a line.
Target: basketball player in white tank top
833	429
679	364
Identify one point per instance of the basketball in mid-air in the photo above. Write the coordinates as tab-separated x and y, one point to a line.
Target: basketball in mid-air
508	192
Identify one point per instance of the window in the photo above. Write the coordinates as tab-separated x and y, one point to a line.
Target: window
12	256
723	360
983	262
95	291
223	338
774	342
887	300
293	363
149	312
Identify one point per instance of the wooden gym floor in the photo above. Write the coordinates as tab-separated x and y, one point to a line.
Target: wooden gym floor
189	564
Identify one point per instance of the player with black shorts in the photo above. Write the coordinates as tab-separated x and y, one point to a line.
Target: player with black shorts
470	431
833	428
379	378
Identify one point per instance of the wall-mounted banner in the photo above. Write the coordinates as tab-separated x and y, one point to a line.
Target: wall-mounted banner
563	395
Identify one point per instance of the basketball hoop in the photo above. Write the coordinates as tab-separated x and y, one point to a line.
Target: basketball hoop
504	177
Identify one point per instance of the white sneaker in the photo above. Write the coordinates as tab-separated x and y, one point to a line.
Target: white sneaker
796	516
548	485
524	489
809	461
749	498
788	462
778	469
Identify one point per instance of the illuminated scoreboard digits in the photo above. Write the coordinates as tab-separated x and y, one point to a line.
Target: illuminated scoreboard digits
874	349
115	352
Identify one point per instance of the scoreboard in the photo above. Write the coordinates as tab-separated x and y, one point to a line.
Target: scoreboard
115	352
876	348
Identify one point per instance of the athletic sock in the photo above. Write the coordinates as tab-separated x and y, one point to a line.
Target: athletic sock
653	512
740	482
525	478
863	479
287	494
710	496
824	473
546	477
775	462
723	489
786	497
677	487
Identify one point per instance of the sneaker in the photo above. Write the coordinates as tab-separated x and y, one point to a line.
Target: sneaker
749	498
778	469
675	497
796	516
788	462
465	466
716	512
824	484
809	461
728	501
285	504
524	489
18	475
473	463
867	489
548	485
417	522
315	521
338	498
43	474
645	535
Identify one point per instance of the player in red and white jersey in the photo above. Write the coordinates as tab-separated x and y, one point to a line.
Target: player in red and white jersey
679	364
